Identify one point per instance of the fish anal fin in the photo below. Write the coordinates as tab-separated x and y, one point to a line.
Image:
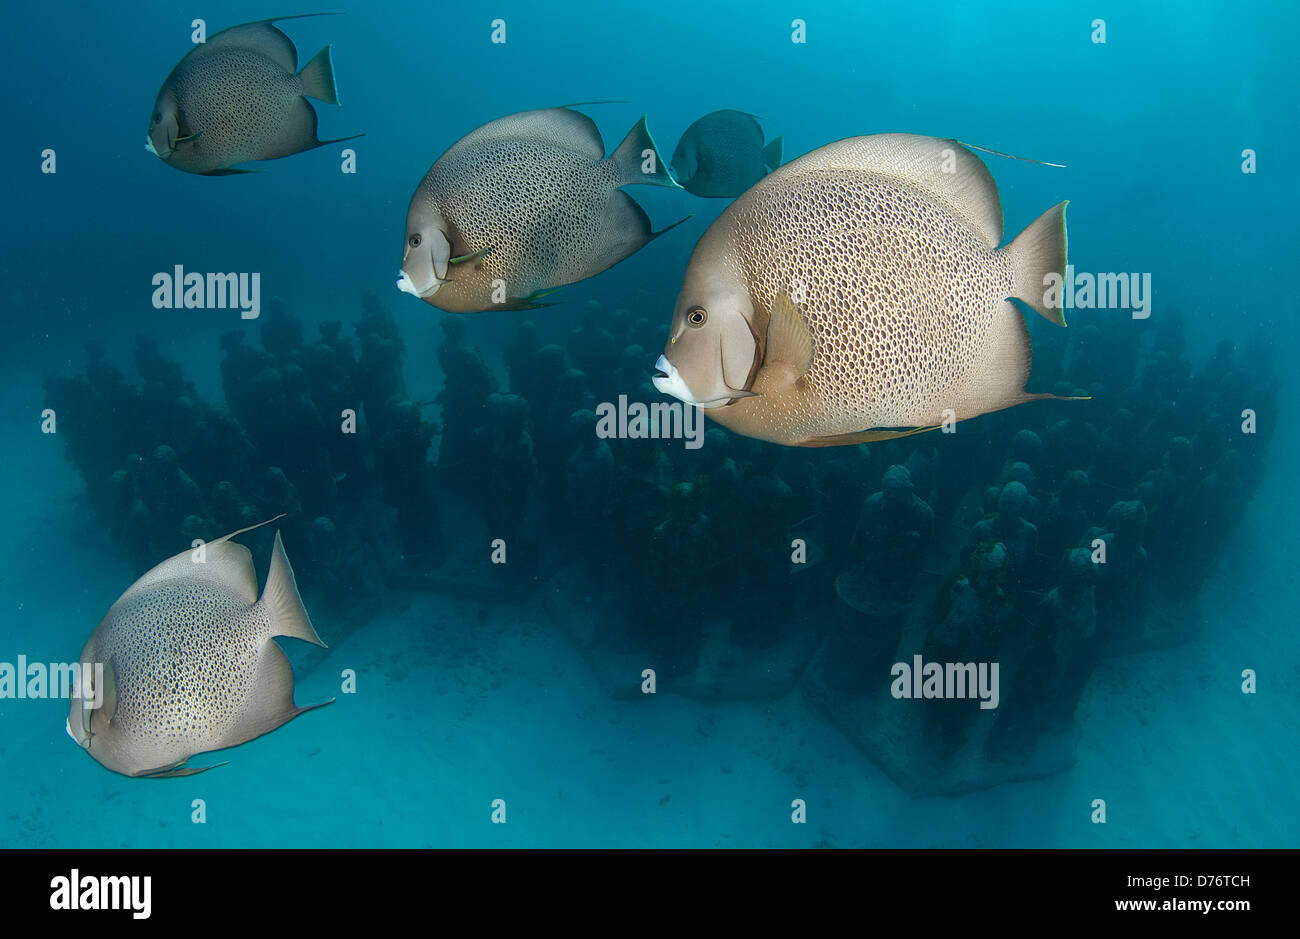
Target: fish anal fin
789	344
294	133
227	171
997	379
628	230
270	703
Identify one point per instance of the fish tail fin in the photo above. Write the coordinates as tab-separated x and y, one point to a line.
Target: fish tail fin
283	603
1036	253
318	77
639	161
774	153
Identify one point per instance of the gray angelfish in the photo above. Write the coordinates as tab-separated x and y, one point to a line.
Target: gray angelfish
188	661
859	293
524	205
722	154
240	97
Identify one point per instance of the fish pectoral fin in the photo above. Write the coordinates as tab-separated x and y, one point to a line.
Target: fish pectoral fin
190	139
789	340
863	436
480	253
108	703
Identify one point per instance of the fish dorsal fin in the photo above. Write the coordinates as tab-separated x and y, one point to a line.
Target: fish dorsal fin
789	340
555	127
261	37
943	169
223	563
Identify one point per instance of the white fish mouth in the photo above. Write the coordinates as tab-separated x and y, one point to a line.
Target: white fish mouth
148	145
406	285
671	383
67	726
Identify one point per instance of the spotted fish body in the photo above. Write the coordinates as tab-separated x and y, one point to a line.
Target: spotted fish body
238	97
188	662
859	293
523	205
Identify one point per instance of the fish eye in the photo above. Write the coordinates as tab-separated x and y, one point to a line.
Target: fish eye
157	116
697	316
415	240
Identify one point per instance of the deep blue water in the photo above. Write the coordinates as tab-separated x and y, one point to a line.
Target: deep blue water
465	697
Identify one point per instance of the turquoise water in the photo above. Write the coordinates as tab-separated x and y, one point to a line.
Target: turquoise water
469	691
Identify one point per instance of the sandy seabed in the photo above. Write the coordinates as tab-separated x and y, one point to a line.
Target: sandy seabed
461	703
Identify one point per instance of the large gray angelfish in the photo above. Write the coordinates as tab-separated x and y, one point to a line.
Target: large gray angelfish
859	293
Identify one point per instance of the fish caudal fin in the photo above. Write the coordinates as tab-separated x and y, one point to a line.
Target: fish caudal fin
283	603
318	77
638	159
774	153
1037	252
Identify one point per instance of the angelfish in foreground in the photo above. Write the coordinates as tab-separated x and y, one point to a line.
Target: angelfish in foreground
858	293
188	661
